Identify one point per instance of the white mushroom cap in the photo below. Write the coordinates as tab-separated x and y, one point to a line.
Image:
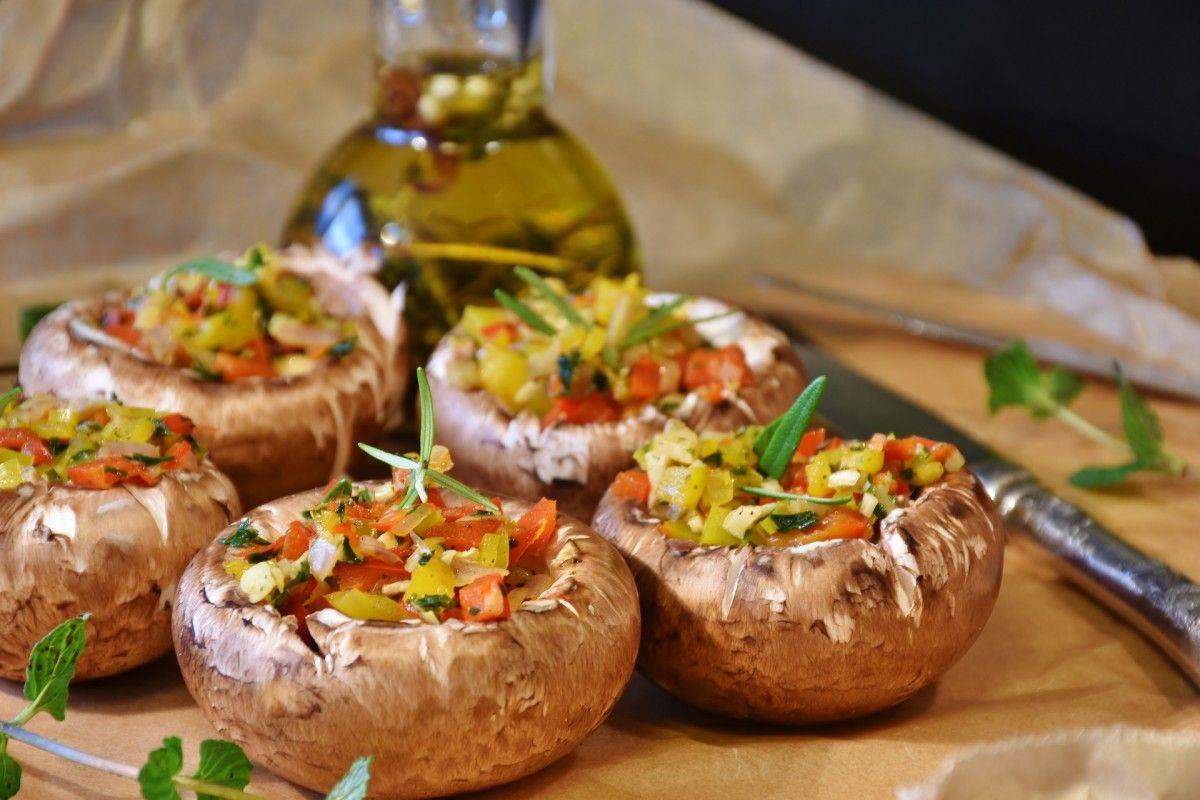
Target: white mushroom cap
443	708
117	553
818	632
271	437
574	464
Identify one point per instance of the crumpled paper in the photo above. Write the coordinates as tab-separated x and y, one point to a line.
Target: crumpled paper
134	133
1091	764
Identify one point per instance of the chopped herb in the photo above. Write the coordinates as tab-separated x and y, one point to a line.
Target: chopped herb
255	258
713	458
83	455
473	610
567	364
342	349
306	514
160	428
795	522
120	473
205	373
88	426
149	461
599	381
343	488
432	602
341	511
348	551
57	446
364	496
244	536
425	558
266	555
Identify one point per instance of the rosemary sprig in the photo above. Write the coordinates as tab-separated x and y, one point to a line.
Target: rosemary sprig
524	312
777	442
562	304
420	467
675	324
758	491
655	317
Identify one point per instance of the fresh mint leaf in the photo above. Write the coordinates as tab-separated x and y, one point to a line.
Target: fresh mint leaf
222	763
29	316
353	785
244	536
157	776
1065	385
1014	379
1142	428
1096	477
51	667
782	446
220	271
10	772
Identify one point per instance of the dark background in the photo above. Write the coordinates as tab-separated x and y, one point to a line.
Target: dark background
1103	95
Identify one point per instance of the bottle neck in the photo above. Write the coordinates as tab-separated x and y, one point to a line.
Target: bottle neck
459	69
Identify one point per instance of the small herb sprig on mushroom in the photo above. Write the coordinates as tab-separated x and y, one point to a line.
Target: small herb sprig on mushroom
1014	379
223	770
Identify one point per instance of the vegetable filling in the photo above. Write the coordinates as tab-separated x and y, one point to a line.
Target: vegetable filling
593	356
230	321
96	445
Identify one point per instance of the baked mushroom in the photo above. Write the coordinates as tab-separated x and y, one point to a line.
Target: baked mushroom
837	582
463	641
551	394
286	358
101	508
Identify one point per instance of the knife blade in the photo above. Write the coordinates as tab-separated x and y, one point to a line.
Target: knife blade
1090	362
1158	601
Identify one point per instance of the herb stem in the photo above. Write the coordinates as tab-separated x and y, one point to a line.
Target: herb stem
213	789
70	753
1093	432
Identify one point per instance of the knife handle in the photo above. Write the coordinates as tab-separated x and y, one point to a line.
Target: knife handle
1160	602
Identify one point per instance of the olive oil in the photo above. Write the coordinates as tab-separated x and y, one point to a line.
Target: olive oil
458	167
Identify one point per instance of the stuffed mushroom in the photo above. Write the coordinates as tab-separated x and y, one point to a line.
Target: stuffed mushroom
101	507
286	357
837	582
463	644
553	392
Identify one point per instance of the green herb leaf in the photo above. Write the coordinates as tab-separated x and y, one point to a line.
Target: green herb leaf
218	270
758	491
427	420
782	446
224	764
353	785
456	486
343	488
1142	428
1095	477
1064	385
795	522
1014	380
149	461
764	437
30	316
51	667
668	327
157	776
656	316
244	536
391	459
432	602
8	397
10	772
524	312
563	305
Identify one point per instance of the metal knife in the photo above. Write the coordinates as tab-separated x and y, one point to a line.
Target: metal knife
1161	603
1089	362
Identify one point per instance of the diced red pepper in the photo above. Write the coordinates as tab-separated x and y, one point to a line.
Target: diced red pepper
232	368
105	473
810	443
297	540
182	457
368	575
27	442
633	484
645	379
587	408
716	369
483	600
178	424
534	530
465	533
840	523
904	449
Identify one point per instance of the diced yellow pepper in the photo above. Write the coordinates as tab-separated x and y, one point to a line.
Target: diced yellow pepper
714	532
493	550
22	459
719	488
128	429
357	604
434	578
817	472
432	517
593	343
867	461
926	472
681	488
503	372
571	337
236	567
739	521
290	294
59	424
259	581
678	529
476	318
294	364
10	473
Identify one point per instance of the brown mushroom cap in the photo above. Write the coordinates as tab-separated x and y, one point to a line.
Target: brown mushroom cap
820	632
497	451
443	708
117	553
272	437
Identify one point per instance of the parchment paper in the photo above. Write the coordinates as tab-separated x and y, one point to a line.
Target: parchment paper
133	134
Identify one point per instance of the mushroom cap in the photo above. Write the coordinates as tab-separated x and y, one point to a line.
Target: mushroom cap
270	436
116	553
574	464
819	632
443	708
